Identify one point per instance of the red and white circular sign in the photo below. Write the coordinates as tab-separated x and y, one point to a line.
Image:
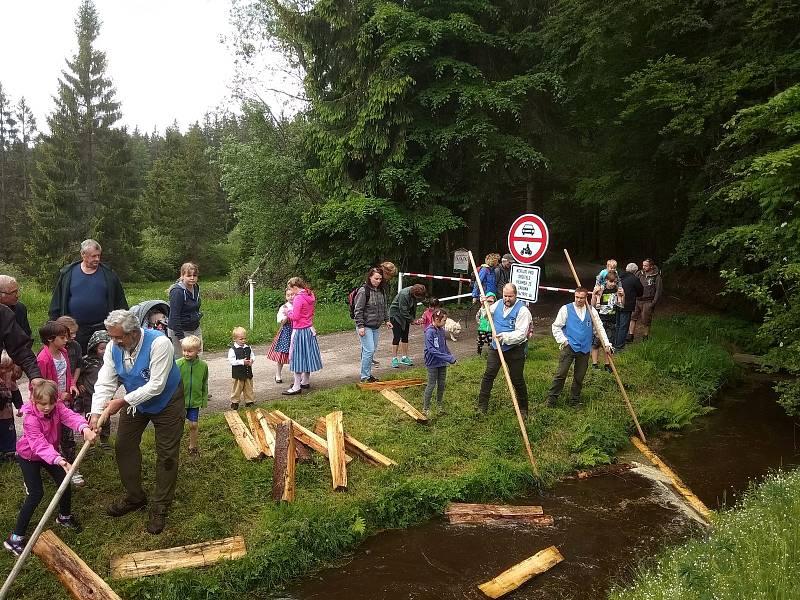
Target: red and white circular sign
528	238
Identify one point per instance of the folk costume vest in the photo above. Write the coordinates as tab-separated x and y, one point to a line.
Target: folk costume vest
505	323
578	333
139	374
241	371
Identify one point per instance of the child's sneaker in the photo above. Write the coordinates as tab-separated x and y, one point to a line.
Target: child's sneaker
608	368
404	360
69	522
234	406
194	452
15	546
595	366
395	363
78	480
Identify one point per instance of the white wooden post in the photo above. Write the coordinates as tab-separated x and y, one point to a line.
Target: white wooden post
252	294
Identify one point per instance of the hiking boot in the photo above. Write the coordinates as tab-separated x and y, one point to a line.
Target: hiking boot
395	363
629	338
249	404
123	507
595	366
375	363
608	368
69	522
234	406
15	546
372	379
404	360
158	517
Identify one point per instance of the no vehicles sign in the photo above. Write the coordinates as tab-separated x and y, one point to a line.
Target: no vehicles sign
528	238
527	281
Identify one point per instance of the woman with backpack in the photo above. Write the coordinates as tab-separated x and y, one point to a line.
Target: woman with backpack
369	312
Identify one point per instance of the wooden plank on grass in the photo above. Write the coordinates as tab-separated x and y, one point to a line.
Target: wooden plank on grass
74	574
403	405
266	431
357	448
153	562
308	437
283	467
514	577
394	384
258	434
335	439
243	436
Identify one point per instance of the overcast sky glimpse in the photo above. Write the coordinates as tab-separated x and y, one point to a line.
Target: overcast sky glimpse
164	57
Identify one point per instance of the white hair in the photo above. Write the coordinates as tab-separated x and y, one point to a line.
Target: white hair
122	318
632	268
90	243
5	281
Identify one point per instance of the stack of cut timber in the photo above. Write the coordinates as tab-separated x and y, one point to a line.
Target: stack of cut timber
357	448
403	405
306	436
514	577
334	432
496	514
243	437
153	562
394	384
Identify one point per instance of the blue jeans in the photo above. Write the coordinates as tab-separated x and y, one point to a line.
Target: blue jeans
369	341
623	322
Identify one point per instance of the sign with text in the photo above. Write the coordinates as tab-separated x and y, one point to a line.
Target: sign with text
527	281
461	260
528	238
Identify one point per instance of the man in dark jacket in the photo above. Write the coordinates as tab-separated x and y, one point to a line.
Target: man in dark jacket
502	274
18	345
9	295
633	290
652	285
87	291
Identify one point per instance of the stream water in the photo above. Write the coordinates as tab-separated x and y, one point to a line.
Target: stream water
603	525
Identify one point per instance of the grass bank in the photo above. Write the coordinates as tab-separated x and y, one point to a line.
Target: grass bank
753	552
223	309
458	456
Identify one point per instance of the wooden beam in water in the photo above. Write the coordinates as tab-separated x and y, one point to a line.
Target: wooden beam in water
153	562
74	574
403	405
522	572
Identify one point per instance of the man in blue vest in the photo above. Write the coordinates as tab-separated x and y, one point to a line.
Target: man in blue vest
572	330
511	324
141	360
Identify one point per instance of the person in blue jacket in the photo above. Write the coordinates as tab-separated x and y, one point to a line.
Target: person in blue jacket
437	357
486	273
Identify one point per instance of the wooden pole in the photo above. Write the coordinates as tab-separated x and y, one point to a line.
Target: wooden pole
514	577
48	512
597	327
505	367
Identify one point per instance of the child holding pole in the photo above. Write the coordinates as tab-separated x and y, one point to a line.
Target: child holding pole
43	418
437	357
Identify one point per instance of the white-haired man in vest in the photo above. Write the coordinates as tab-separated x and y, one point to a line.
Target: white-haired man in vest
141	360
572	330
511	323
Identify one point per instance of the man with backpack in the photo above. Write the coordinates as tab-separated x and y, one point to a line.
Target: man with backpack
368	309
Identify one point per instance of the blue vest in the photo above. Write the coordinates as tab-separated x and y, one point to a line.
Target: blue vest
507	323
140	374
579	333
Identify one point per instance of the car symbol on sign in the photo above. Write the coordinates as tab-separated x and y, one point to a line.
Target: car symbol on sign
528	229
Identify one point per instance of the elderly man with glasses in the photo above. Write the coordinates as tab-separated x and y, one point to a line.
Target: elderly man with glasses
9	295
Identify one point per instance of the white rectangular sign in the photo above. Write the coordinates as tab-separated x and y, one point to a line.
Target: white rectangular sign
527	281
461	260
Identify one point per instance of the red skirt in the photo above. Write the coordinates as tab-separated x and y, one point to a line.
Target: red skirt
279	350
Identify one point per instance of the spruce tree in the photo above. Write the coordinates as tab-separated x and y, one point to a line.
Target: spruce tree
82	174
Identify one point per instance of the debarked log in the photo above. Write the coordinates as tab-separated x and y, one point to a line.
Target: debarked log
258	433
403	405
356	447
514	577
243	436
308	437
140	564
336	454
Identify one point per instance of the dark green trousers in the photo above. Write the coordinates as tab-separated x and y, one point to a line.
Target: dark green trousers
565	359
168	425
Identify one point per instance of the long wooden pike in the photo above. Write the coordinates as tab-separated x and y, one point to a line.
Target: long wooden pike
506	372
597	327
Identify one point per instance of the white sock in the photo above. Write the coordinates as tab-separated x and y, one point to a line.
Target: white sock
305	377
296	384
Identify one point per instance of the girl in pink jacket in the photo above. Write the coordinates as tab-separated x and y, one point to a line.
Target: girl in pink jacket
36	449
304	354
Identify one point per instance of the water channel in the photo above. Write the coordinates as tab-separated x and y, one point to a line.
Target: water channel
603	526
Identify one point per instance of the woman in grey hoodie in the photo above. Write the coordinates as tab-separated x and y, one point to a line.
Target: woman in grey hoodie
184	308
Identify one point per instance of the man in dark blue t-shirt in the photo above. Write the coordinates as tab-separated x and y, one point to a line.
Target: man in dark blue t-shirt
87	291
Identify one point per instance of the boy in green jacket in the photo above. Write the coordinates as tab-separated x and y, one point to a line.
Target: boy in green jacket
194	374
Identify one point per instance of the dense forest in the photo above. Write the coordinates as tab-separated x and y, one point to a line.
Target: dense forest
668	128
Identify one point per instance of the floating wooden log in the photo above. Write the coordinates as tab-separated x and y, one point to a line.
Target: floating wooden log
153	562
394	384
335	439
243	436
258	434
682	488
266	430
496	514
403	405
308	437
74	574
514	577
467	519
283	468
615	469
357	448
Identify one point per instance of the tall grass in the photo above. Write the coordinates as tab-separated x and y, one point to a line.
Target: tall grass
457	456
223	309
753	552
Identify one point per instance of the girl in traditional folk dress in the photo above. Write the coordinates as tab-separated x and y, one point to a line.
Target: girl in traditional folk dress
279	350
304	355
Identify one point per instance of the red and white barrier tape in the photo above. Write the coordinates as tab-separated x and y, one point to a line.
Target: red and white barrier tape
552	289
424	276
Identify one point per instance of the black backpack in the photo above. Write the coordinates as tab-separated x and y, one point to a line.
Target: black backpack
351	299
